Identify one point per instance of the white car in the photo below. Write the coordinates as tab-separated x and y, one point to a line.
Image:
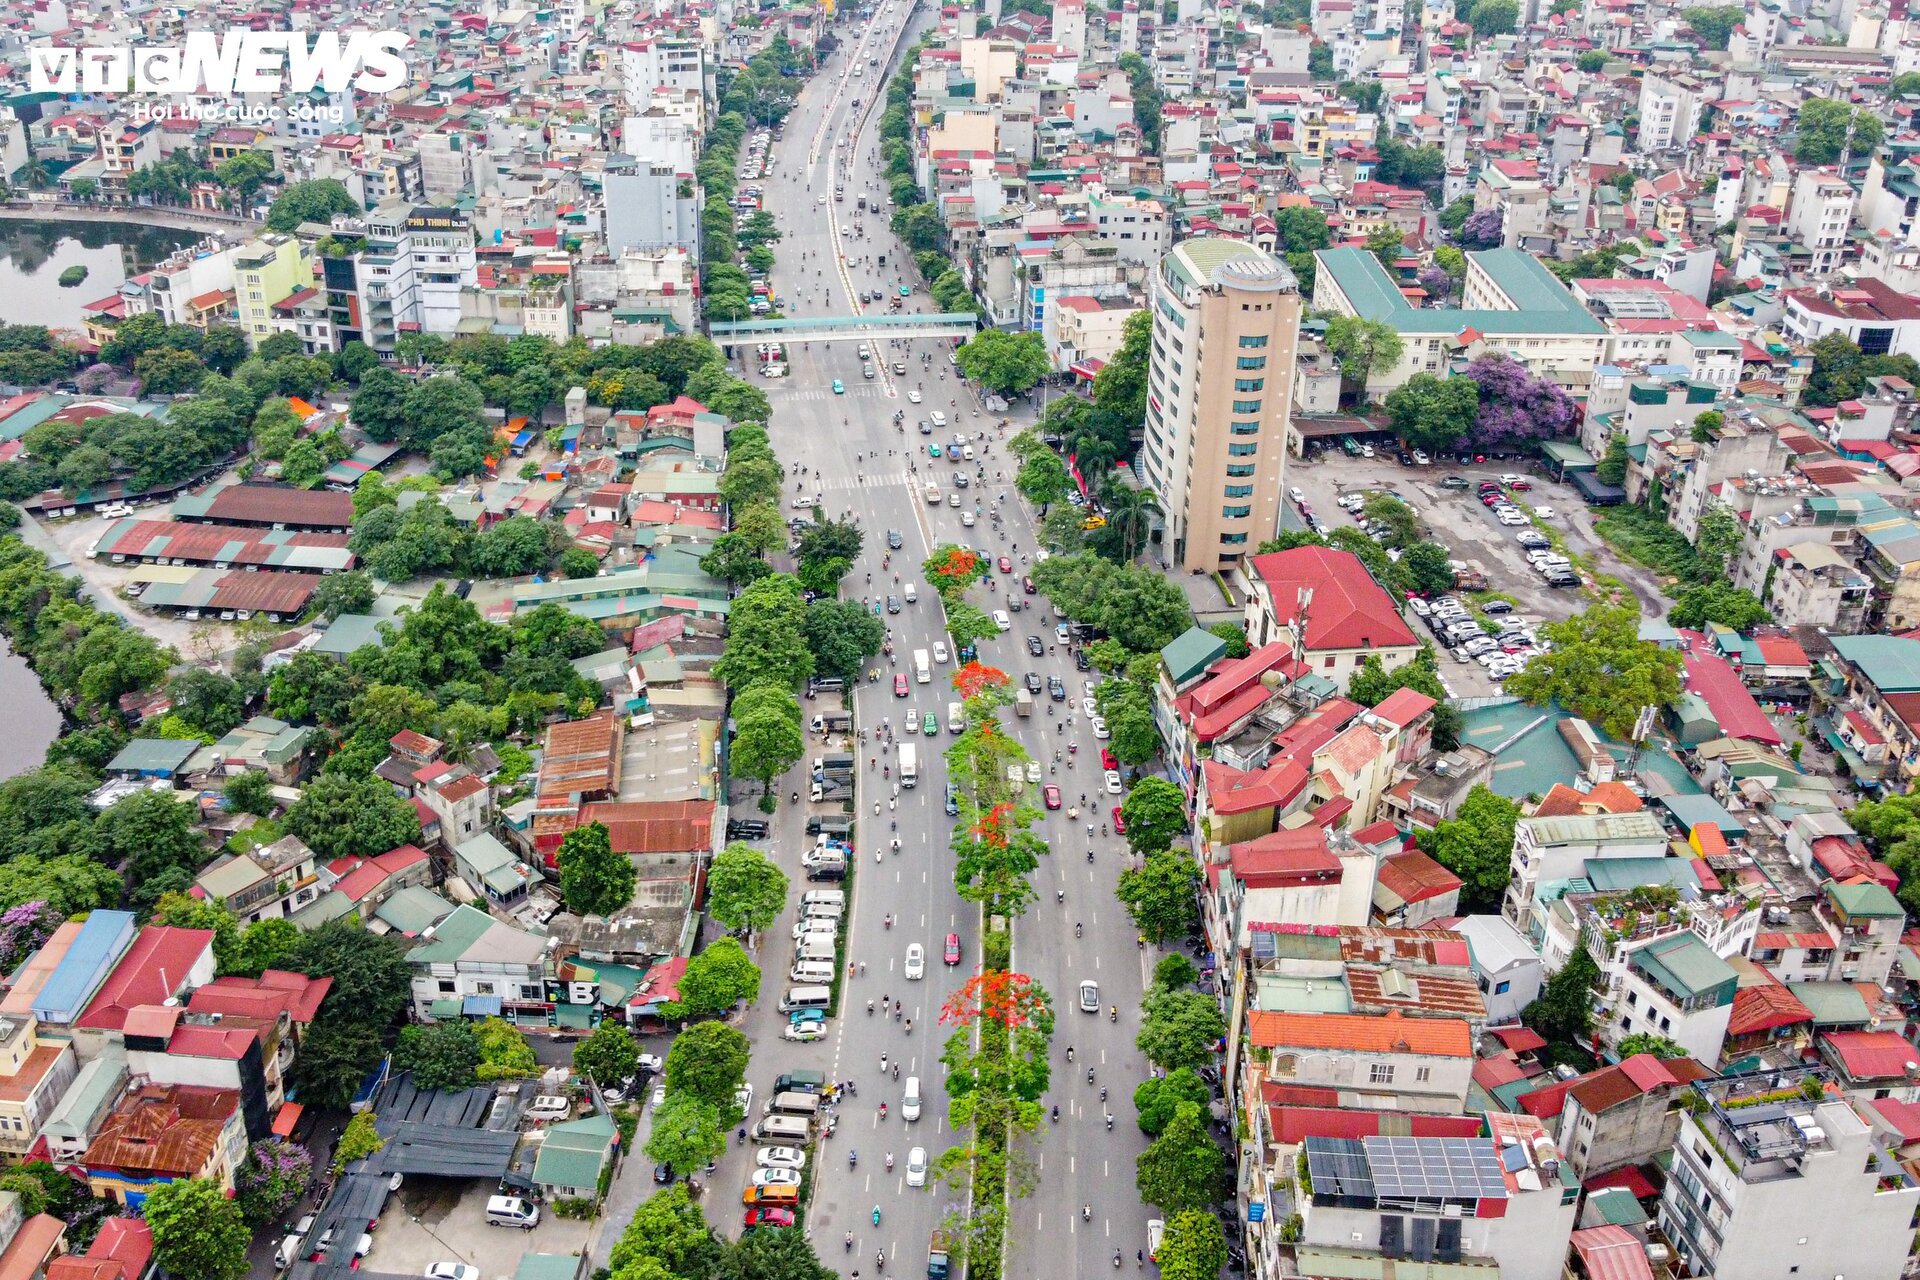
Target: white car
1090	706
1366	451
1112	780
917	1167
939	650
916	962
913	397
1545	513
801	1032
743	1098
1001	620
777	1176
659	1095
937	418
966	452
1100	728
1297	494
452	1271
783	1157
1033	771
814	924
966	520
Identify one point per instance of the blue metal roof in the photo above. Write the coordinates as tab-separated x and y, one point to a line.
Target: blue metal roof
102	940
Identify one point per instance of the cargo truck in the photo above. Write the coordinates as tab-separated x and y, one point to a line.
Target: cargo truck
909	765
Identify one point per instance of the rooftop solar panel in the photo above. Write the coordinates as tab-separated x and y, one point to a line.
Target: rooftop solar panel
1338	1167
1434	1168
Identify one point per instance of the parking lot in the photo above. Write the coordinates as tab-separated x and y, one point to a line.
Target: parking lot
444	1220
1456	519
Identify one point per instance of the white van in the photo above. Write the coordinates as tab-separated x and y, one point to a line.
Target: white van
956	718
787	1130
512	1211
814	971
828	911
910	1101
291	1250
549	1107
806	997
911	594
814	947
820	897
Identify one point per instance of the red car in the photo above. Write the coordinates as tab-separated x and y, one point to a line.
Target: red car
1107	761
952	952
1006	565
767	1218
900	686
1051	794
1521	485
1119	823
1026	585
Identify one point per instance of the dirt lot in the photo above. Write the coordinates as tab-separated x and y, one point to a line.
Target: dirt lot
1456	519
75	536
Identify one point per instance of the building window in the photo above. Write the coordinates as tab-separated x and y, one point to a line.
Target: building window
1233	539
1251	364
1242	451
1501	989
1238	491
1252	341
1422	1075
1246	406
1380	1073
1244	429
1249	384
1235	513
1243	470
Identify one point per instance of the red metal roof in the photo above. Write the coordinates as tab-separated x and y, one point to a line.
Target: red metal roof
153	971
1871	1055
1349	610
275	504
1611	1253
1285	857
1719	685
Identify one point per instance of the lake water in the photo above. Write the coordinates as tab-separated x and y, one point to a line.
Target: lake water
31	718
33	254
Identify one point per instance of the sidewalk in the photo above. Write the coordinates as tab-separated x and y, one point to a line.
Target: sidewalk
632	1183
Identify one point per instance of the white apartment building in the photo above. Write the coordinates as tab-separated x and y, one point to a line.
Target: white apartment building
1819	215
1670	108
660	62
1226	322
1774	1177
1550	849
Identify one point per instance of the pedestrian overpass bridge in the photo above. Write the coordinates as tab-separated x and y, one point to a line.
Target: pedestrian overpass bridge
874	328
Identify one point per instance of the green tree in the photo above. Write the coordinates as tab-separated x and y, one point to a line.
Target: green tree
335	1057
1716	541
594	879
1195	1245
1477	846
668	1233
1181	1029
1593	61
1363	348
197	1230
1160	895
1157	1097
1433	413
1043	479
746	891
1831	130
1613	465
444	1056
358	1140
1134	737
1426	567
1600	669
1183	1168
1155	812
608	1056
1563	1014
709	1061
686	1134
303	466
350	592
1648	1042
1371	685
766	743
1493	18
314	201
766	636
1008	363
337	816
842	635
249	792
716	980
1720	602
1714	23
1236	637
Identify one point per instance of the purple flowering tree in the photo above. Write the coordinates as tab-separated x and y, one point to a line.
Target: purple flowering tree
1515	406
275	1174
1482	230
23	929
1436	282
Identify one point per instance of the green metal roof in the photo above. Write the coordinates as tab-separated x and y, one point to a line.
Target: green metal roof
1687	967
548	1266
1195	261
1833	1004
1192	652
1864	901
1544	305
154	755
1892	664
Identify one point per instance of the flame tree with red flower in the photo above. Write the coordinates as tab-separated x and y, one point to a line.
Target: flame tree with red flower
997	1056
951	569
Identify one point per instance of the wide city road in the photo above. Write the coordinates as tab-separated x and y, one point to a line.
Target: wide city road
847	451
